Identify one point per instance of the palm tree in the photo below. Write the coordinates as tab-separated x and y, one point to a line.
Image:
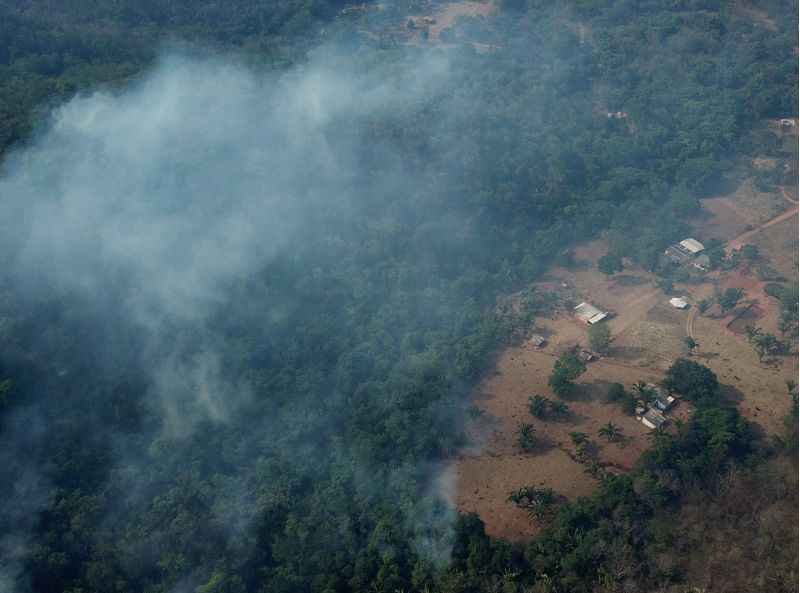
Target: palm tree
526	438
611	432
538	406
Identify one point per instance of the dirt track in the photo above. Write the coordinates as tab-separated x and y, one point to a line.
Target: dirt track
740	240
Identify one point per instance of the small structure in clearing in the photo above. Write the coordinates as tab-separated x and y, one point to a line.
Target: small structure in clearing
586	356
678	303
684	252
661	399
589	313
537	341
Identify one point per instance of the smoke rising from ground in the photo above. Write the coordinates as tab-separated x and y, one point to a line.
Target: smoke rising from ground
150	205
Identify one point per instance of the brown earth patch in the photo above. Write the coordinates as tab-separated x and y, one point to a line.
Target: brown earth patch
490	472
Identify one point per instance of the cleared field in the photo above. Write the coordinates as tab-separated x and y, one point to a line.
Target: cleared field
487	474
779	246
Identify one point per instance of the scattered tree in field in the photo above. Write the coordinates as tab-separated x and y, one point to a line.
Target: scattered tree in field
610	264
559	409
703	306
595	469
691	344
729	299
568	367
599	337
752	332
537	405
578	437
694	381
611	432
538	502
526	437
616	392
767	345
750	253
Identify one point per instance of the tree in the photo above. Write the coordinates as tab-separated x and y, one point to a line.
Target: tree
691	344
578	437
610	264
616	391
729	298
767	345
610	431
567	368
526	437
750	253
559	409
703	305
694	381
599	337
752	332
538	502
537	405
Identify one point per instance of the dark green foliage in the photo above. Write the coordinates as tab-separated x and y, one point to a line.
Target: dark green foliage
693	381
526	437
599	337
539	503
610	264
567	368
730	298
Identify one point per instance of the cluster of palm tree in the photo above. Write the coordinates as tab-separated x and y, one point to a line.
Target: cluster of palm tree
538	502
542	407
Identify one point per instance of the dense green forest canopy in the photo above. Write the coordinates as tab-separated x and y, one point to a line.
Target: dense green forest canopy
274	419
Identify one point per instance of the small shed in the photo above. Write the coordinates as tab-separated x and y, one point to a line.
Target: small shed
678	303
537	341
703	262
589	313
586	356
693	246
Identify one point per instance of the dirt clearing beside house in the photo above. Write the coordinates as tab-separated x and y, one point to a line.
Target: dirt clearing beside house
488	474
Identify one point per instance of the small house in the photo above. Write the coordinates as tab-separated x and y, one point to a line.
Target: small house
586	356
590	314
537	341
652	419
678	303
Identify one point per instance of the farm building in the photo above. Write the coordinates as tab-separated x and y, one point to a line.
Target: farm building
652	418
693	246
589	313
678	303
684	251
537	341
586	356
661	399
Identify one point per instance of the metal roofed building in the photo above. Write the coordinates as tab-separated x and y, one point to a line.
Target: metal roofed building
678	303
589	313
693	246
652	418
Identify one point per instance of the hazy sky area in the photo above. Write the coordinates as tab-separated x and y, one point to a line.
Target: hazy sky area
147	206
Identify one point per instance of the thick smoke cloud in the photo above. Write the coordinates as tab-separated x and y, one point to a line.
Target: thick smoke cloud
150	203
